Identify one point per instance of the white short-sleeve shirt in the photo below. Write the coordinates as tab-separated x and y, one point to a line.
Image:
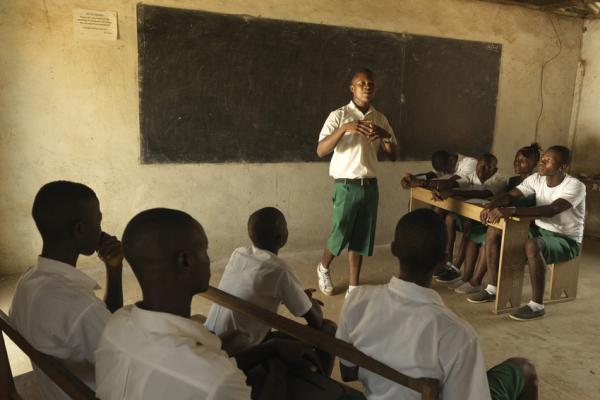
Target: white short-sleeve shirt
569	222
147	355
354	155
496	183
54	307
408	328
465	166
264	279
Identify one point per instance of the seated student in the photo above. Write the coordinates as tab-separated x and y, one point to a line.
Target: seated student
525	163
406	326
54	306
153	350
558	230
256	274
484	182
447	169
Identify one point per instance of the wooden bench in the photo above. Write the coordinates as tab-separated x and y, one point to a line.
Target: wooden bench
429	388
76	389
51	366
563	281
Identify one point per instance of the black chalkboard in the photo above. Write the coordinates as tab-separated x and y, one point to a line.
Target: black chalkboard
229	88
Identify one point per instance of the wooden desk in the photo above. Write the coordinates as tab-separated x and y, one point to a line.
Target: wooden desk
512	250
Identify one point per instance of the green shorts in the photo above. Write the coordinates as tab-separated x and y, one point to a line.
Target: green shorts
506	381
557	247
476	232
354	218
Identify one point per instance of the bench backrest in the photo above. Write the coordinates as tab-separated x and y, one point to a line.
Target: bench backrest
52	367
429	388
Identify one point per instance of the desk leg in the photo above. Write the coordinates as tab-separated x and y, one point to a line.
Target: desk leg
512	266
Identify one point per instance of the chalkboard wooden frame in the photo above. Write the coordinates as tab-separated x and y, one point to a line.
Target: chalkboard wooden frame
219	88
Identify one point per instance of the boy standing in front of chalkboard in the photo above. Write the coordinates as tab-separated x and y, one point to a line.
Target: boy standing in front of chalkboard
354	133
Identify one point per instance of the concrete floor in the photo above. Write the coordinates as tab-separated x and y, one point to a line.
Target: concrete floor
564	345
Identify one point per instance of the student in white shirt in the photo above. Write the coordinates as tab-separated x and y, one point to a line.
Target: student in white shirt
483	246
54	306
256	274
483	183
406	326
153	350
447	169
354	133
558	230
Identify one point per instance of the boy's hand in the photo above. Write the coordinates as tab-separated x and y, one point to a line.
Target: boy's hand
407	181
357	127
377	132
440	195
309	293
297	354
496	214
110	251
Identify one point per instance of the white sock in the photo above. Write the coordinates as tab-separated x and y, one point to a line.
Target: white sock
491	289
322	269
351	288
535	306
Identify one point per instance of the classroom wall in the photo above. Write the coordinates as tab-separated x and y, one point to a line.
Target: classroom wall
69	110
587	133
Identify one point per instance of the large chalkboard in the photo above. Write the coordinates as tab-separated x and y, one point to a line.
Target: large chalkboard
228	88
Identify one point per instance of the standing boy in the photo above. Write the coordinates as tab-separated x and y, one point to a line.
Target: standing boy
354	133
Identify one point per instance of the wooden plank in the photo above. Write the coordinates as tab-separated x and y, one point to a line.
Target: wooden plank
563	280
457	206
512	266
52	367
427	386
7	384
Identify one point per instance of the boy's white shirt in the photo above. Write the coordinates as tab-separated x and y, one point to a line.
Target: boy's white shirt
569	222
264	279
496	184
465	166
354	156
149	355
408	328
55	309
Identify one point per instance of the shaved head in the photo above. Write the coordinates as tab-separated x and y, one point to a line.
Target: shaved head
419	241
267	228
161	243
489	159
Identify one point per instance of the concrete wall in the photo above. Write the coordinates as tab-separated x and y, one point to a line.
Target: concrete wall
69	110
587	133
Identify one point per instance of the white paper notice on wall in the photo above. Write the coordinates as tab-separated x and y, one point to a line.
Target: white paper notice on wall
95	25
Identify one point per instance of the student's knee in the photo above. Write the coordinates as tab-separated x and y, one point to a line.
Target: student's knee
532	248
527	368
450	219
328	327
493	233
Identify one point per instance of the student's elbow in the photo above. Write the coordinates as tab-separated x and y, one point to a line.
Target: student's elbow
322	151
